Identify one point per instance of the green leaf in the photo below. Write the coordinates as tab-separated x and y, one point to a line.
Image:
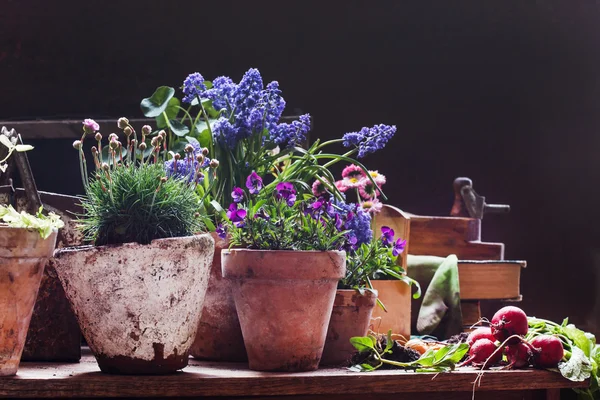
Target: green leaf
361	368
23	147
154	105
169	113
578	368
362	343
204	138
390	341
579	338
178	128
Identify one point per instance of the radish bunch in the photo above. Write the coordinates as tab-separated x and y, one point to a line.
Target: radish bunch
508	328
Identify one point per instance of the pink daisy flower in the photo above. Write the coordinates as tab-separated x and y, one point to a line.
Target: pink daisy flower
341	186
378	178
353	171
318	188
367	190
372	206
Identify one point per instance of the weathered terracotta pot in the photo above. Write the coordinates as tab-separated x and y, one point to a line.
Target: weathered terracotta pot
219	336
23	254
351	316
396	297
284	301
138	306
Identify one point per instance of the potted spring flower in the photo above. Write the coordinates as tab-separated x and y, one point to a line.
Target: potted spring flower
138	290
356	298
285	271
239	124
26	242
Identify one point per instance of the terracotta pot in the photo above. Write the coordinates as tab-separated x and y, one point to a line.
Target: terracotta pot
138	306
219	336
23	254
284	301
350	317
396	297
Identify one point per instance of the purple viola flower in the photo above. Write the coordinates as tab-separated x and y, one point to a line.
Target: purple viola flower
236	215
254	183
285	191
237	194
387	235
262	214
221	231
398	247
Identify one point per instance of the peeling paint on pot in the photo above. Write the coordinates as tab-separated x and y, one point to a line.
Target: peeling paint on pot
351	316
284	301
23	254
138	306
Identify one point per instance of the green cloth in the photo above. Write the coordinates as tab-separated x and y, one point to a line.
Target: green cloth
439	314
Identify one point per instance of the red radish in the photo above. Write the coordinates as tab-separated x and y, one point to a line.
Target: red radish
509	321
480	351
518	355
480	333
547	351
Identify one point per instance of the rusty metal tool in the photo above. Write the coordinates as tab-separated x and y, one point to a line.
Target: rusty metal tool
467	203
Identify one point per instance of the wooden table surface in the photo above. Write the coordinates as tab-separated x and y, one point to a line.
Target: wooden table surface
225	380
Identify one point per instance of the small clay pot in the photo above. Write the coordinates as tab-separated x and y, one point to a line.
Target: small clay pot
219	336
23	254
284	301
138	306
350	317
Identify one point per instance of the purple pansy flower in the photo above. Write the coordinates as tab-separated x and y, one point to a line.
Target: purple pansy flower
221	231
237	195
387	235
236	215
254	183
262	214
285	191
398	247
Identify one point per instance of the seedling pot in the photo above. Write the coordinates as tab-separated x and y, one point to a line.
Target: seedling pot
219	336
23	254
284	301
138	306
351	316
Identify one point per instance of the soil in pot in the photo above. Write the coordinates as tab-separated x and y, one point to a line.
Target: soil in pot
219	336
138	306
351	316
284	301
23	254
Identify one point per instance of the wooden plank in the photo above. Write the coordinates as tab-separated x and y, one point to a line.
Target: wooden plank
500	395
44	380
489	280
471	313
400	222
441	236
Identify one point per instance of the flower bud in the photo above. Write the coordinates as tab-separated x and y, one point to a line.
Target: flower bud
200	158
123	123
77	145
133	142
177	156
196	214
114	144
163	179
98	137
189	148
105	166
205	151
214	163
94	150
154	142
142	146
127	131
146	130
112	136
162	133
90	126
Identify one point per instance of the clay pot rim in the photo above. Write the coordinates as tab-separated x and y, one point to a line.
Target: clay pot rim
339	252
368	293
90	247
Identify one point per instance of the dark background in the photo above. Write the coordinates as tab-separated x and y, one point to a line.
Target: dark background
505	92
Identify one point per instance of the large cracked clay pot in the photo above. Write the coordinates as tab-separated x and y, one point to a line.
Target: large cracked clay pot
219	336
138	306
284	301
23	254
351	316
